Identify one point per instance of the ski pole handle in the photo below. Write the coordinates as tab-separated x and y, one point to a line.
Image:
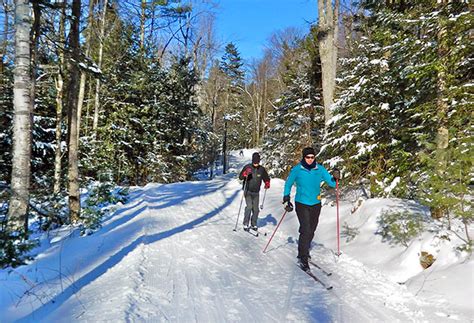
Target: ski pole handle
283	216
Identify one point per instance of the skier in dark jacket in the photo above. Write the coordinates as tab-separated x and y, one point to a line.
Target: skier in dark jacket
307	175
253	174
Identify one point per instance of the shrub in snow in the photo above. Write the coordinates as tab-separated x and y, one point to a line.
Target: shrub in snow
13	247
348	232
399	227
49	212
98	198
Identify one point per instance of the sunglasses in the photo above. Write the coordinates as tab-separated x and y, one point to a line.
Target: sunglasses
308	157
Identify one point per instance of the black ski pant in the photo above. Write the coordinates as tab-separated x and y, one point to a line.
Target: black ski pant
308	216
251	206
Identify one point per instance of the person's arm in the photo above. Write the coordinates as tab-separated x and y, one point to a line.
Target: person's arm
328	178
245	172
266	178
289	182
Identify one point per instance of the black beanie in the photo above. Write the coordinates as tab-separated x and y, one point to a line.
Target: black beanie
255	158
309	151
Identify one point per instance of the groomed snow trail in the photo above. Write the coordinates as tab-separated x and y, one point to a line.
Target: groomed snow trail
171	255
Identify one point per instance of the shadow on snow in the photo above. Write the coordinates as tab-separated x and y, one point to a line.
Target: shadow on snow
61	298
165	195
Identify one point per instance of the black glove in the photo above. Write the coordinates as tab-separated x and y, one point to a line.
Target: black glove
286	198
336	174
289	207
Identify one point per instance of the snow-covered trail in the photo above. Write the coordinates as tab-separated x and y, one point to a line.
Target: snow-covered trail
171	254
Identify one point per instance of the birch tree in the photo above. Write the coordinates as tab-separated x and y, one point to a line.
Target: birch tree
82	84
99	65
21	155
59	82
258	92
328	15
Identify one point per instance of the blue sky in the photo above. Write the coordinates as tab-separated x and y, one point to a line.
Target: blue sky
249	23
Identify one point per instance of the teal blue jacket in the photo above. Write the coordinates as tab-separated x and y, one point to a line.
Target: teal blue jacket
308	183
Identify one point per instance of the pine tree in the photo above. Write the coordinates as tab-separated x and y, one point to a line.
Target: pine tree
363	135
297	120
231	64
151	128
445	179
387	117
181	121
129	129
235	115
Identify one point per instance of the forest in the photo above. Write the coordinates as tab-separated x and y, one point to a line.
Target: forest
97	96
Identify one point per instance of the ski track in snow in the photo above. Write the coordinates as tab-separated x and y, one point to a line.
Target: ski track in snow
186	264
226	283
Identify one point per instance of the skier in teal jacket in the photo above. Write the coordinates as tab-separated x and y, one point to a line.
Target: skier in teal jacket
307	175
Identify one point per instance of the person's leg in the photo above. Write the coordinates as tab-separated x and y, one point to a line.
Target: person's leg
314	210
248	208
304	241
255	209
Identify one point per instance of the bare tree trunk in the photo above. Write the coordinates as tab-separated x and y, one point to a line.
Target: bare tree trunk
88	107
264	106
327	36
142	25
204	47
224	149
59	105
34	36
442	105
82	84
185	33
21	153
99	64
72	95
258	119
254	107
58	153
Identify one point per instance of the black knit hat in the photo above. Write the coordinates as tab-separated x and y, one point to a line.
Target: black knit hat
308	151
255	158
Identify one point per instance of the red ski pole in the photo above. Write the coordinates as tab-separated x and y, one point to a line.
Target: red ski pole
337	213
283	216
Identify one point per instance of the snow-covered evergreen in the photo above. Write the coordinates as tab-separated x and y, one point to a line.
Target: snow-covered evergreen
386	116
292	122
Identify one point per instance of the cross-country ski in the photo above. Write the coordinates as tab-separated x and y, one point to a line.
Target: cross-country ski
316	279
327	273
